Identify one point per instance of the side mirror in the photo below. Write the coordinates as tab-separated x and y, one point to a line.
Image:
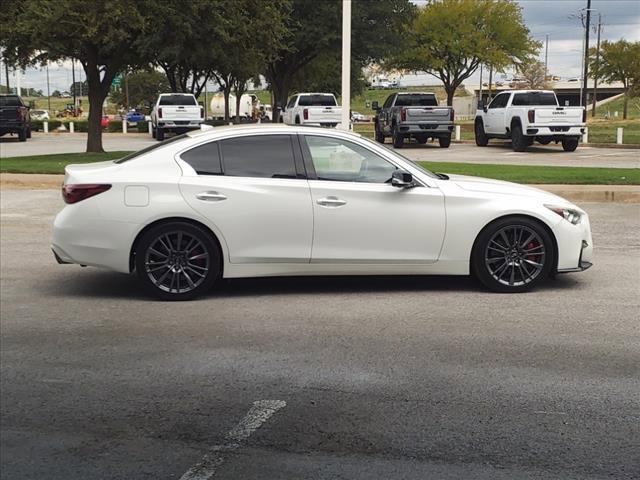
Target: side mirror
375	106
402	179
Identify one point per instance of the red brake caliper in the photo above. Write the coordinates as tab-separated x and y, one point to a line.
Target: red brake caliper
532	257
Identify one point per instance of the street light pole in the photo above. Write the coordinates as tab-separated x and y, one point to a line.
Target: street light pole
546	57
585	73
346	65
48	92
595	77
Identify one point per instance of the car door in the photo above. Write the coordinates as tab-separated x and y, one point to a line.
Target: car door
359	217
252	188
289	110
495	114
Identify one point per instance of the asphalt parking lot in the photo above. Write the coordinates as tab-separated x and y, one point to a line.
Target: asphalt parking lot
354	378
497	152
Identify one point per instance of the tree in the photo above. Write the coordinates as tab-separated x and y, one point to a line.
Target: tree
101	34
533	75
314	29
618	62
449	39
55	93
144	88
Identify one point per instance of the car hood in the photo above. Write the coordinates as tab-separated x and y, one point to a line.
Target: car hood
488	185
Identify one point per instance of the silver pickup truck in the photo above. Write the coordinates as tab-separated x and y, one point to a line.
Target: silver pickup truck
413	114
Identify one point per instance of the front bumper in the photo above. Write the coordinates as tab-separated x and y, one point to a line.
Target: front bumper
575	246
582	264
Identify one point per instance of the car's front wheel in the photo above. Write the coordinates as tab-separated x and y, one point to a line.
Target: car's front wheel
512	255
159	134
481	137
177	261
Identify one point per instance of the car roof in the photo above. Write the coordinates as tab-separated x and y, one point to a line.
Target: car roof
267	128
416	93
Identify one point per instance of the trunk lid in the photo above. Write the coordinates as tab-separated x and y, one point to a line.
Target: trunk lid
323	114
428	114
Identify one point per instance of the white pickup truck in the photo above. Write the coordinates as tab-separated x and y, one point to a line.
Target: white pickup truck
528	115
317	109
177	113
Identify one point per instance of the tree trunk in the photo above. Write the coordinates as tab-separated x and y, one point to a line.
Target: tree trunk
238	95
625	108
94	136
280	94
451	90
226	91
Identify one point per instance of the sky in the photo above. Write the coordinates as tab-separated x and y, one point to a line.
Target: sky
620	18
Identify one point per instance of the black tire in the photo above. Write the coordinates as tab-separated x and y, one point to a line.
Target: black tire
444	141
544	140
297	120
397	138
159	134
28	132
153	248
489	256
378	134
22	135
518	140
421	139
481	137
569	144
153	131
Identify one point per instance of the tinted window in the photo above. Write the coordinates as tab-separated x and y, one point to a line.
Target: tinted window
534	99
344	161
388	101
131	156
265	156
10	101
292	102
416	100
178	100
204	159
317	100
500	101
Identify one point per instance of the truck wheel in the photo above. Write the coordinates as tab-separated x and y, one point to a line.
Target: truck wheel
297	120
153	131
422	139
444	141
518	141
397	138
159	134
570	144
28	132
22	135
481	138
378	134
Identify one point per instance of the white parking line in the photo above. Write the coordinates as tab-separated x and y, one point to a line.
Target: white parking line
258	414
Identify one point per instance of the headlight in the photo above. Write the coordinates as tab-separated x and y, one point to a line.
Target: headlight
569	214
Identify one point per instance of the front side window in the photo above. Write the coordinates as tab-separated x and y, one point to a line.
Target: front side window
262	156
292	102
204	159
343	161
500	101
388	101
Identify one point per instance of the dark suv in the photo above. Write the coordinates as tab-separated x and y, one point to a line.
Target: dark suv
14	117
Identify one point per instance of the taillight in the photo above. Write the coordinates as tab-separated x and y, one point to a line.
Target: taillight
82	191
453	115
305	114
532	116
19	113
159	113
403	115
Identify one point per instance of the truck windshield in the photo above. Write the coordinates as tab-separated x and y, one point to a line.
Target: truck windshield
10	101
317	100
177	100
416	100
534	99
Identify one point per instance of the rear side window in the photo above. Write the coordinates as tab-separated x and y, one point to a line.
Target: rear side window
204	159
262	156
317	100
533	99
416	100
10	101
177	100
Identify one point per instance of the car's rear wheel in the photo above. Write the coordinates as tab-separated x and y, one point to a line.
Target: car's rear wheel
570	144
177	261
28	132
159	134
378	134
518	140
153	131
397	137
444	141
22	135
481	137
513	255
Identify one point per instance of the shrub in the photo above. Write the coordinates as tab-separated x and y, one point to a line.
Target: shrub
115	126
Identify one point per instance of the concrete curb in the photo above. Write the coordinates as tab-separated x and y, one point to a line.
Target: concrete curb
623	146
573	193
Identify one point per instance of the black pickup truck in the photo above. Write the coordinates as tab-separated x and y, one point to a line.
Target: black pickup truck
14	117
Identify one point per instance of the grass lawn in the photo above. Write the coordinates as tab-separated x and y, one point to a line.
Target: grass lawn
53	163
513	173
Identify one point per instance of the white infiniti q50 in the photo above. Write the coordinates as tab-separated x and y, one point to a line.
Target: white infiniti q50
253	201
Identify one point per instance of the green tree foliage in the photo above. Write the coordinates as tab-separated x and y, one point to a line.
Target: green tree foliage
144	87
315	30
449	39
533	75
101	34
618	62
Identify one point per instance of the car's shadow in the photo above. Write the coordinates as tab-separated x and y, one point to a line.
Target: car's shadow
101	284
551	148
12	139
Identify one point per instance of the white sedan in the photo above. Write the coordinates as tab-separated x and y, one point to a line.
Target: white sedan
258	201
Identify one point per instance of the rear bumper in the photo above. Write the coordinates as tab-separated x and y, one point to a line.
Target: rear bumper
169	124
426	128
559	131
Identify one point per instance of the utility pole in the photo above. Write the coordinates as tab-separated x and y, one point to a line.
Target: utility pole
490	81
480	103
126	91
583	96
595	77
346	65
546	56
48	92
6	71
18	80
73	86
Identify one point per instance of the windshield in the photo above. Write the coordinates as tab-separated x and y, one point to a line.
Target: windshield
319	100
416	100
178	100
133	155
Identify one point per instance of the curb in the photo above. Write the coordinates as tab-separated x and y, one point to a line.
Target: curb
573	193
622	146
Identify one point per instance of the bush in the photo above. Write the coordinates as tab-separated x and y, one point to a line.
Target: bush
143	127
114	126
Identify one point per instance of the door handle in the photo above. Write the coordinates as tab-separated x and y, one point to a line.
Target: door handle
211	196
331	202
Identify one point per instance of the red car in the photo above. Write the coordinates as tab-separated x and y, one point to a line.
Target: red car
104	121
